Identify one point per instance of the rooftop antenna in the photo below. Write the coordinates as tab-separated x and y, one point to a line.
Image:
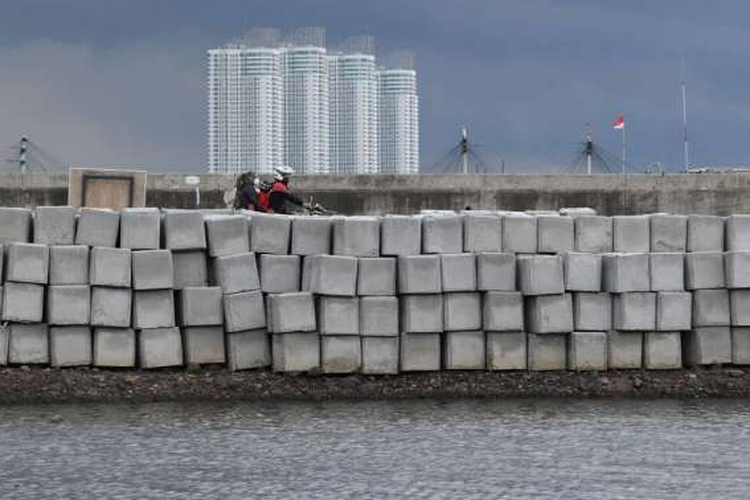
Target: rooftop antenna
684	119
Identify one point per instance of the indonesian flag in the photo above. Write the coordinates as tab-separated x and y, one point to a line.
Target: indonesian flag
619	123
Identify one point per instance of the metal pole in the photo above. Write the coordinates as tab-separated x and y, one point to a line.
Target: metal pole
684	120
623	150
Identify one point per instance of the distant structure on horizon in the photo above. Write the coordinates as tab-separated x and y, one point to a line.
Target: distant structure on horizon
291	101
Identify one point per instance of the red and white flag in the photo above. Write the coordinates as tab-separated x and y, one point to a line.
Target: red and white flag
619	123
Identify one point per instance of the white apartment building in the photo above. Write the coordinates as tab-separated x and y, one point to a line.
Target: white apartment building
398	121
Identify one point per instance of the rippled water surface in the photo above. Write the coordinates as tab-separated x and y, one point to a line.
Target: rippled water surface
417	449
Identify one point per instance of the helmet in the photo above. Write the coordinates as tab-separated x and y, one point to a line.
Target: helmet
282	172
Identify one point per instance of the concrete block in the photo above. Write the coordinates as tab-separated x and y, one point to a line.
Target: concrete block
667	271
340	354
338	315
673	311
421	313
159	348
296	352
502	311
55	225
140	228
540	274
711	308
547	352
200	306
380	355
464	351
249	349
420	352
110	267
442	234
376	276
737	268
227	235
245	311
4	334
587	351
153	309
330	275
111	307
592	312
625	272
705	233
458	272
311	235
202	345
549	313
70	346
631	233
190	269
356	236
662	351
152	270
280	273
2	260
183	230
593	234
707	346
496	272
704	270
740	345
236	273
624	350
583	272
15	225
68	304
483	232
738	233
400	235
668	233
506	351
519	233
69	265
739	307
24	302
26	263
378	316
114	347
97	227
555	234
291	312
462	311
419	274
634	311
28	344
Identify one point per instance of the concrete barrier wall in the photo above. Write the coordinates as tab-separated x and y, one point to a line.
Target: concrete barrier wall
378	295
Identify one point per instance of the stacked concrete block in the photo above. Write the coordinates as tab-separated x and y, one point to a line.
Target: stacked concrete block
519	233
183	230
587	351
111	307
555	234
190	269
200	306
583	272
68	305
311	235
739	307
153	309
673	311
15	225
244	311
338	315
592	312
547	352
247	350
280	273
482	232
738	233
496	271
442	234
97	227
28	344
340	354
69	265
421	313
152	270
631	234
711	308
419	274
159	347
462	311
379	329
593	234
26	263
270	233
70	346
23	302
376	276
400	235
330	275
110	267
140	228
226	235
204	345
4	333
662	350
705	233
740	345
464	350
458	272
668	233
356	236
634	311
704	270
290	312
380	355
236	273
55	225
625	272
420	352
296	352
506	351
114	347
624	350
737	268
710	345
502	312
667	271
540	274
548	314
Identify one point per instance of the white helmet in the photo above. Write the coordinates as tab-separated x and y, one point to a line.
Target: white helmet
282	172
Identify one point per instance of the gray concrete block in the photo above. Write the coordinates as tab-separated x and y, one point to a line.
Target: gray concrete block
26	263
28	344
376	276
458	272
190	269
739	307
442	234
380	355
378	316
634	311
291	312
68	304
705	233
483	232
356	236
549	313
711	308
519	233
502	311
152	270
583	272
625	272
296	352
55	225
587	351
540	274
704	270
114	347
421	313
667	271
159	348
110	267
707	346
97	227
70	346
111	307
662	351
311	235
236	273
338	315
227	235
464	350
631	233
280	273
737	268
592	312
69	265
462	311
420	352
183	230
200	306
340	354
673	311
419	274
249	349
593	234
4	334
555	234
15	225
668	233
245	311
737	231
624	350
202	345
740	345
547	352
400	235
153	309
496	272
330	275
140	228
506	351
2	261
23	302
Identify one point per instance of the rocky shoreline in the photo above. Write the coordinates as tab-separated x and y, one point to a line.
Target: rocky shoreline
47	385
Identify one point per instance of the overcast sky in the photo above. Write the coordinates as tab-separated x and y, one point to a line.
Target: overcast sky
123	83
